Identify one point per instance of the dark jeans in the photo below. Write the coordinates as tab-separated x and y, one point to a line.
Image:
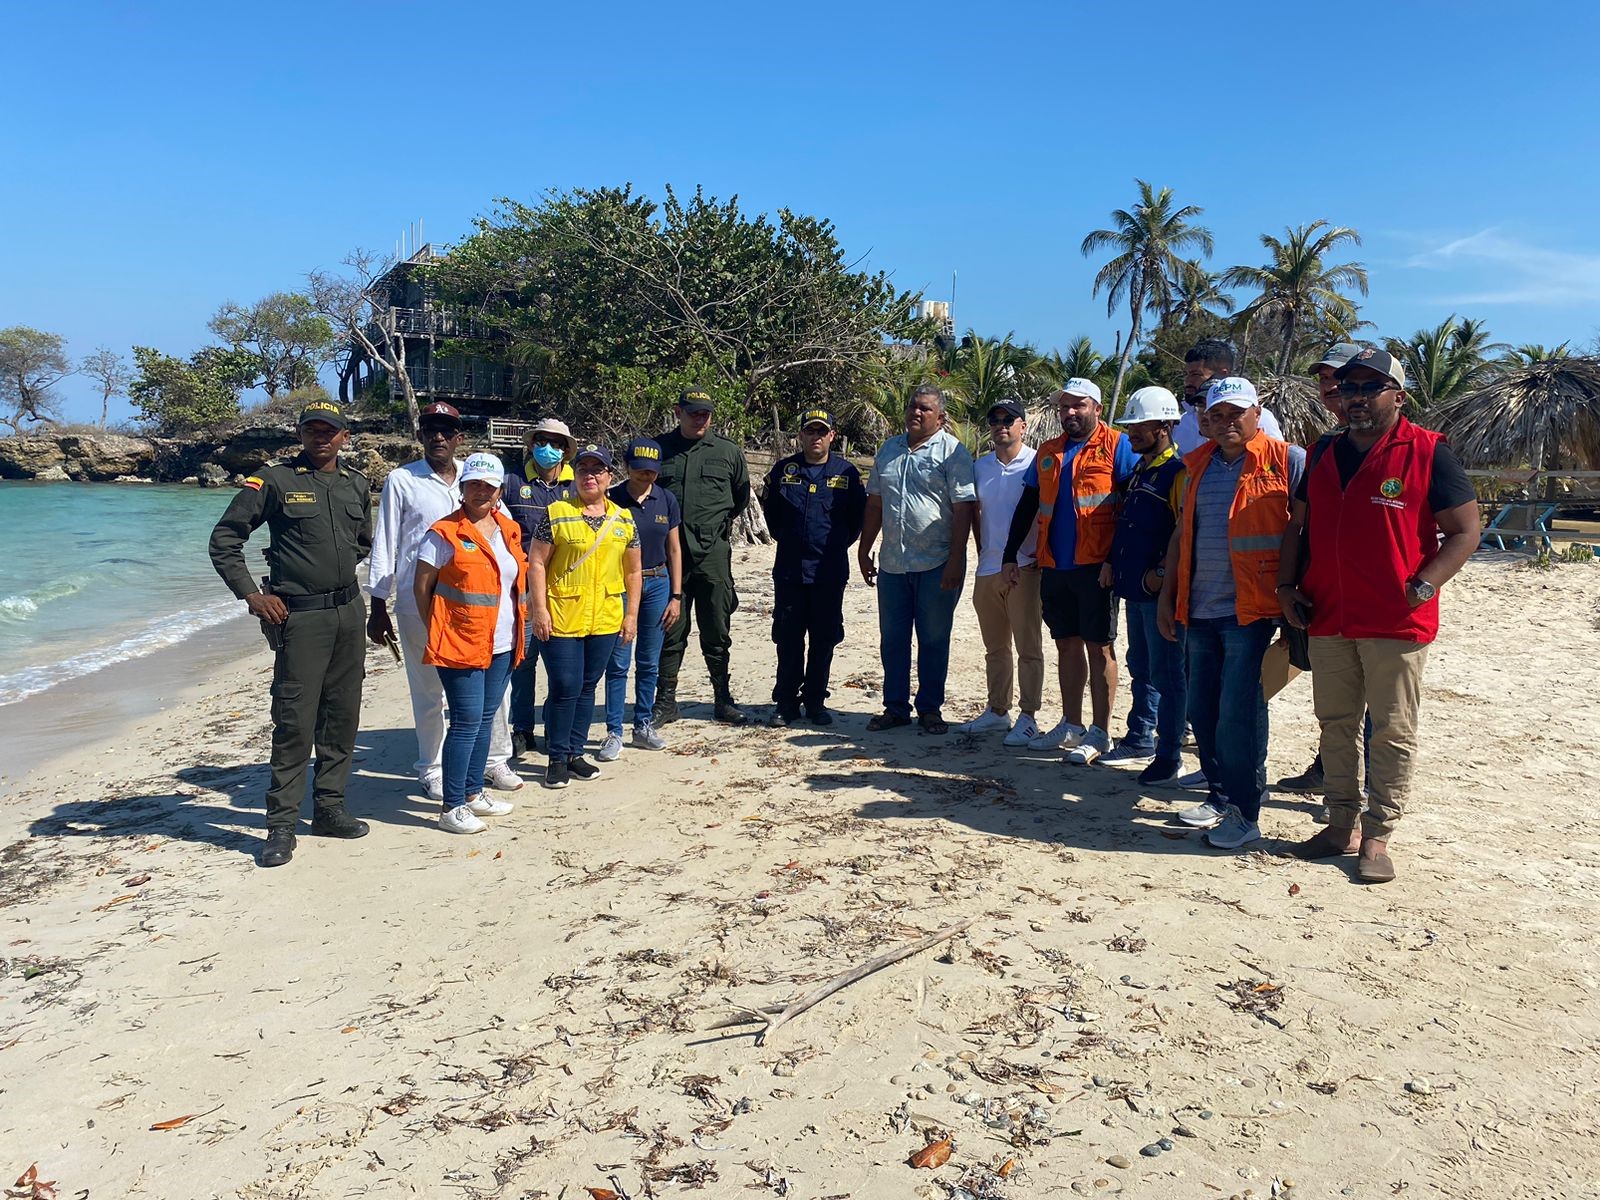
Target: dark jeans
645	653
801	613
1160	693
914	602
575	666
474	695
1227	709
524	712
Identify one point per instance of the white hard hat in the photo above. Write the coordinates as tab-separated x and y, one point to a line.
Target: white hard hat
1150	404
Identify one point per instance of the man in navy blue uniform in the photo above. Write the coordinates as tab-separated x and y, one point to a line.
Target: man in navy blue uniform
814	503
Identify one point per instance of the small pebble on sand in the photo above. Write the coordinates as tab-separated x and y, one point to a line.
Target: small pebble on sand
1119	1161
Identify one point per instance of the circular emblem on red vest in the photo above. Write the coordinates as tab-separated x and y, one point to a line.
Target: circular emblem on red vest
1391	487
1046	462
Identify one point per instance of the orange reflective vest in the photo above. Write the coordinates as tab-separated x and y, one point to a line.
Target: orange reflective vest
466	600
1256	521
1095	499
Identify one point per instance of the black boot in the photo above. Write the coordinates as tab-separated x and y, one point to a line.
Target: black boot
338	823
279	848
665	711
727	711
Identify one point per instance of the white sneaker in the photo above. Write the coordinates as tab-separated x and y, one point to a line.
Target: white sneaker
485	805
433	784
989	722
460	820
1023	732
1129	755
645	737
611	748
1203	815
1234	832
1095	743
1064	734
502	778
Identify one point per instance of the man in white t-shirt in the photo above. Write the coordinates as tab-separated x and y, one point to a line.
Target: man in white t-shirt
1207	360
1008	616
414	497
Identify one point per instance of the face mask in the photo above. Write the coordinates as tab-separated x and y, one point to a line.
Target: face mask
547	456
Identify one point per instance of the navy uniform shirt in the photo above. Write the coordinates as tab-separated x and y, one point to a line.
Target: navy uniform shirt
815	513
528	499
654	517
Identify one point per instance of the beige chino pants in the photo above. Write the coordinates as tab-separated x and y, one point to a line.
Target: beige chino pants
1010	619
1383	676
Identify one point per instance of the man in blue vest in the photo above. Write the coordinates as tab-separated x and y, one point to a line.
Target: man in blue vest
1152	496
814	503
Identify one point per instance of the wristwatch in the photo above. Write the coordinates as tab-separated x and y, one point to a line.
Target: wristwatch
675	596
1423	590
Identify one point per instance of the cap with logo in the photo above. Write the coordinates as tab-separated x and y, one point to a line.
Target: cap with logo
643	455
1380	361
696	400
439	413
816	416
1150	404
1010	405
486	467
1234	390
599	453
325	411
1079	386
1338	354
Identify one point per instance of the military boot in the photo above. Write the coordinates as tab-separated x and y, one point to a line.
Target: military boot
666	708
727	711
279	848
337	822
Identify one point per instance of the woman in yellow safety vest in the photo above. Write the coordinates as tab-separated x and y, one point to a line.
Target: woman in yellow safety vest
583	561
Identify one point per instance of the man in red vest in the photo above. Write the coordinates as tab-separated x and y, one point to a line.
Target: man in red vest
1374	502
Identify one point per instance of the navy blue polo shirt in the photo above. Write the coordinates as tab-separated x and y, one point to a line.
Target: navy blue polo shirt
655	516
528	499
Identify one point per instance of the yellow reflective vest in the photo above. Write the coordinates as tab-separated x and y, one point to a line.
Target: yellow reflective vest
585	590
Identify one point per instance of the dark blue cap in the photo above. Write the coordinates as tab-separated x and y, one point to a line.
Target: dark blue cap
816	416
599	453
643	455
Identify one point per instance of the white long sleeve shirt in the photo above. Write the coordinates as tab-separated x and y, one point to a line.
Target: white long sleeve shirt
1187	435
413	498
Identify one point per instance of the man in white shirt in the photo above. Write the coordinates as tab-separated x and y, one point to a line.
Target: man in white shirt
1206	360
414	497
1007	615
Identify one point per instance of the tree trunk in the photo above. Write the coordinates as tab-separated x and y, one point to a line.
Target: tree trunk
1135	303
105	408
751	525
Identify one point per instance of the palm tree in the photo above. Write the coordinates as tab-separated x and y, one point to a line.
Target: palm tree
1543	412
1531	352
1299	292
1080	360
1146	243
1444	361
1196	292
988	370
1297	403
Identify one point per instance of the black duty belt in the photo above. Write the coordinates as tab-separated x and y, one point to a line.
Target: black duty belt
654	572
322	599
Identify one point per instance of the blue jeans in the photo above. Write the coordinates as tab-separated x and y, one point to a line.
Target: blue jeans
645	650
474	695
1227	709
575	666
524	712
1160	694
915	602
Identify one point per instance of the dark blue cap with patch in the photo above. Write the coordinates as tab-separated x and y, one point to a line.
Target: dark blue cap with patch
816	416
643	455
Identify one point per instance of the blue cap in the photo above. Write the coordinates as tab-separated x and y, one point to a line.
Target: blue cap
599	453
643	455
816	416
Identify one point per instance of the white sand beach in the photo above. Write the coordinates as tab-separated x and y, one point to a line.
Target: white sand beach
530	1012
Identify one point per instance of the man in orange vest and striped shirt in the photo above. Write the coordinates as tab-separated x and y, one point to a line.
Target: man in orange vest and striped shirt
1221	585
1071	491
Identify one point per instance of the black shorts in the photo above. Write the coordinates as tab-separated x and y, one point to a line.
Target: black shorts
1076	606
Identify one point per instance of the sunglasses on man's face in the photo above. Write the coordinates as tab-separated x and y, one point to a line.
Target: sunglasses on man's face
1004	420
543	440
1372	387
448	431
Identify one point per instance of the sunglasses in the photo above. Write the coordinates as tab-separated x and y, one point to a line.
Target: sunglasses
816	431
448	431
1004	420
1373	387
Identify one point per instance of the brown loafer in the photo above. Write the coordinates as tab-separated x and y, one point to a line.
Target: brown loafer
1325	843
1375	868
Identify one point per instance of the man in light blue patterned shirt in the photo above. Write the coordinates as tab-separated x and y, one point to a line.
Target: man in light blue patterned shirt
921	498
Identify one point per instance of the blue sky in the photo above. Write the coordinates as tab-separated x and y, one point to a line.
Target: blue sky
156	160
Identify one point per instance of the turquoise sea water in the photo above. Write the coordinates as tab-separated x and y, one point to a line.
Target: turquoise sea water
96	574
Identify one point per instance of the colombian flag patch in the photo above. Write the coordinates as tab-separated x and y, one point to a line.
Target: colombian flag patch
253	482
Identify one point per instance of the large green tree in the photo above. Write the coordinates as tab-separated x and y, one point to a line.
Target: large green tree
289	340
176	396
1146	242
32	362
1300	296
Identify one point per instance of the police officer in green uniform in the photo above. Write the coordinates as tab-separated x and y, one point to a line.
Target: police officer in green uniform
319	512
708	475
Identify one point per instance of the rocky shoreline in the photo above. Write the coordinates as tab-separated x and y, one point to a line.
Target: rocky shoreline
200	461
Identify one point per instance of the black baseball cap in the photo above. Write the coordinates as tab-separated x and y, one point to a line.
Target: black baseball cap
1009	405
326	411
816	416
1380	361
696	400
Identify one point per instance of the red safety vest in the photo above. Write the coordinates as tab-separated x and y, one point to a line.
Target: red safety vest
1369	539
1095	499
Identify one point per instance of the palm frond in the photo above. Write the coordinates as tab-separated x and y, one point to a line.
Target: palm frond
1544	414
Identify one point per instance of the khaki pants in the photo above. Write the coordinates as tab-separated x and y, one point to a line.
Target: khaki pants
1008	619
1383	676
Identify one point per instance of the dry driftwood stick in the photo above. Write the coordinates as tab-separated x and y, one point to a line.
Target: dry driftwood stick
885	959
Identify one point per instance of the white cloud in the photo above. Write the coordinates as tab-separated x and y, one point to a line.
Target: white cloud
1513	271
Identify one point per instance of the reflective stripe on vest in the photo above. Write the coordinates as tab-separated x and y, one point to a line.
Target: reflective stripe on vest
1256	521
474	599
1094	498
466	599
585	590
